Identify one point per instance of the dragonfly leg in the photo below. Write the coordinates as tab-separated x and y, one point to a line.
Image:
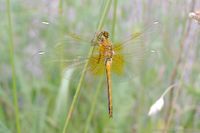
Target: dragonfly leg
99	58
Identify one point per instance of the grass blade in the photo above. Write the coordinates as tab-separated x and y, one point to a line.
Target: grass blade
12	61
101	22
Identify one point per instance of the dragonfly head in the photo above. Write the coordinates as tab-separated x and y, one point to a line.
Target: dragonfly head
101	36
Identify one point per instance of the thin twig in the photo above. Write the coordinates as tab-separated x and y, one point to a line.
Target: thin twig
74	101
172	96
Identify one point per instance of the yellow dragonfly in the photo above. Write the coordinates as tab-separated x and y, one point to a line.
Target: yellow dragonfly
110	57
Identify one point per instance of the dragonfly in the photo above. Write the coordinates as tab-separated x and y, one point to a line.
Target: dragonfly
109	57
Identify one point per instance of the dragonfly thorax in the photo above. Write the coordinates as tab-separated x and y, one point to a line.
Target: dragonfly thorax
105	47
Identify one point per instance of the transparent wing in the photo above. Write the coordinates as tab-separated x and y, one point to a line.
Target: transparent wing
118	61
96	65
144	32
138	46
72	49
62	55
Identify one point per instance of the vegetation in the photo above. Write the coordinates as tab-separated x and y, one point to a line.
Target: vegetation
45	85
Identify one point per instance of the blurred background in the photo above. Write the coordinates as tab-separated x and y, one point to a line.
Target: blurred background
41	63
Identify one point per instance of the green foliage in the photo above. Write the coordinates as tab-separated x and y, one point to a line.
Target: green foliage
48	64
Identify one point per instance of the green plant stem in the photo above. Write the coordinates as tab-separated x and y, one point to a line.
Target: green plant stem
114	18
93	105
107	6
101	80
105	12
60	7
61	27
12	61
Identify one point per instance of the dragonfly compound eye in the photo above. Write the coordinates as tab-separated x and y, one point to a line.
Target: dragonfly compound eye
105	34
100	36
